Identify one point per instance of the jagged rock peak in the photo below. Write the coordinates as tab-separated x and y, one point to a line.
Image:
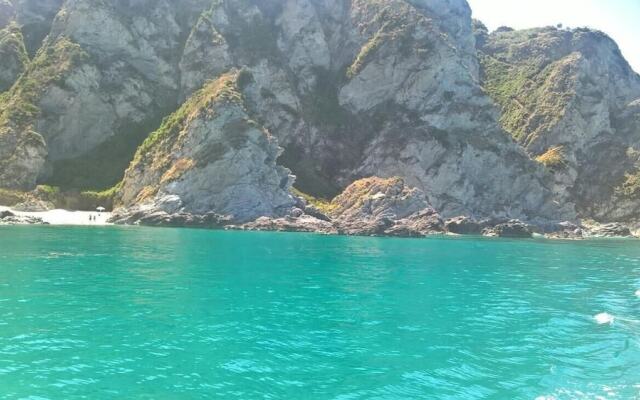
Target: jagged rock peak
210	157
567	96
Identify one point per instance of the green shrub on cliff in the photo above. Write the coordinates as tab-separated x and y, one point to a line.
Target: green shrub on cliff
105	198
532	100
391	22
323	205
74	199
223	89
12	42
630	187
366	52
48	190
50	65
552	158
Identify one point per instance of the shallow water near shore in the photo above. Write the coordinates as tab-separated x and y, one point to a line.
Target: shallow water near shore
141	313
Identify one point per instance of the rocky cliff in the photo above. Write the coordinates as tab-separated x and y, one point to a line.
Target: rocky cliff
571	100
330	90
210	157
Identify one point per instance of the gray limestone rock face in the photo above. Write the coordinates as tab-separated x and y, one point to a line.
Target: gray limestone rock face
210	157
22	156
567	97
349	89
34	18
7	12
376	88
97	111
13	56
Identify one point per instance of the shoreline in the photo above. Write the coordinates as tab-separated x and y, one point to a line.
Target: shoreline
60	217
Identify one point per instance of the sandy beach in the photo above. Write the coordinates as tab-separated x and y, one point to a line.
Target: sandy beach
65	217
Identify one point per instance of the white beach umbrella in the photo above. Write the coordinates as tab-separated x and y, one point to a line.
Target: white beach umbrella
100	209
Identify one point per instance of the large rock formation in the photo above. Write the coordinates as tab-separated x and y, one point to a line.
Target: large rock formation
365	88
209	157
384	206
23	149
369	206
348	88
571	100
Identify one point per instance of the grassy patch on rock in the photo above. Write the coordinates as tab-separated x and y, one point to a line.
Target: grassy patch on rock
386	22
630	187
552	158
12	42
532	76
325	206
532	101
223	89
65	199
19	106
362	190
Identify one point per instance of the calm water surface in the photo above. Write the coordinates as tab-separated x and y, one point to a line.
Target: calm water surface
105	313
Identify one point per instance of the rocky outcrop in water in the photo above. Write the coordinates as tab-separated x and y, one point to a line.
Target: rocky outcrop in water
610	230
375	206
464	226
509	229
289	223
368	207
9	218
210	157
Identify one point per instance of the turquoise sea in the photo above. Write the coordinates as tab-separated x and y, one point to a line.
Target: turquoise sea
141	313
